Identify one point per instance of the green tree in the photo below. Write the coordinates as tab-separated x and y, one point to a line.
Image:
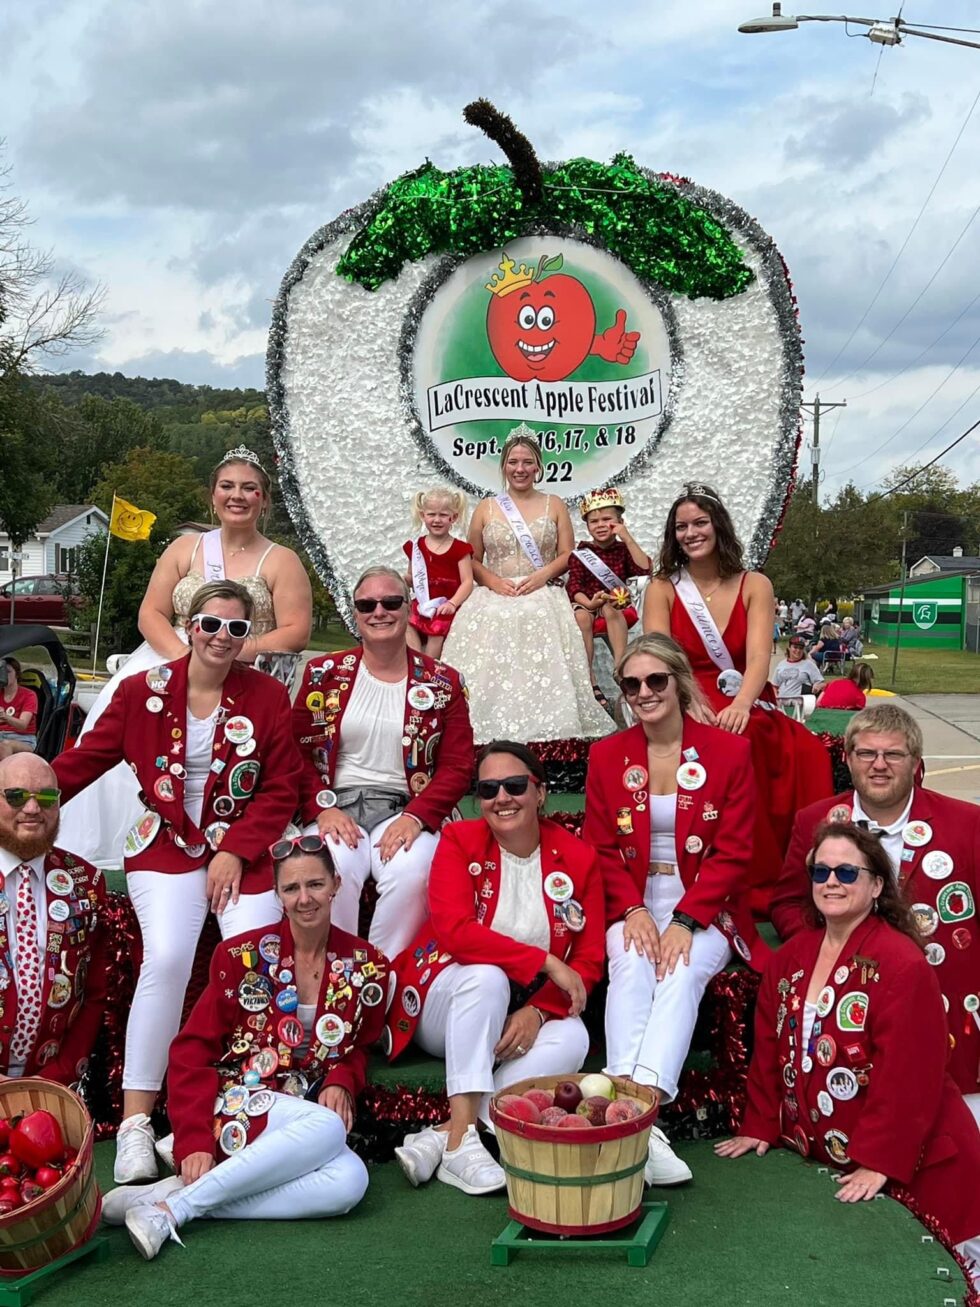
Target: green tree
99	432
27	493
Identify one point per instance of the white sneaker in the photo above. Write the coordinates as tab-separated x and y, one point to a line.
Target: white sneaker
149	1228
421	1153
470	1167
118	1202
135	1159
164	1149
663	1166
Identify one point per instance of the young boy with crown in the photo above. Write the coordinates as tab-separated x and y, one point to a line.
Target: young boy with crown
598	570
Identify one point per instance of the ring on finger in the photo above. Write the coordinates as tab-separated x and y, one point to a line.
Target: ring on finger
521	1049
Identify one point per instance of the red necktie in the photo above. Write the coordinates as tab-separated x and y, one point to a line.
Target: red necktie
28	971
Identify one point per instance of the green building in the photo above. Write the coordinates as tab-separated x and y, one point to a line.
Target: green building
936	612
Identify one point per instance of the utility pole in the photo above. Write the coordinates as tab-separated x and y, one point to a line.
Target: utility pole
901	598
817	407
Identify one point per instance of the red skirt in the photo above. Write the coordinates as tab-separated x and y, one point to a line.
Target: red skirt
429	625
599	625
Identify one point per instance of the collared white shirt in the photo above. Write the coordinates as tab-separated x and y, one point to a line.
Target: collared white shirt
9	865
891	836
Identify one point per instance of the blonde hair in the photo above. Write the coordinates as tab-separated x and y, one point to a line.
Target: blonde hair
527	442
885	719
455	499
670	653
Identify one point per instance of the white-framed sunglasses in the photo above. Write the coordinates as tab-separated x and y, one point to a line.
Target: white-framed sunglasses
211	624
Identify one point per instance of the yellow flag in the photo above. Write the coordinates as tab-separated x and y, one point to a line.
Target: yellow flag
129	522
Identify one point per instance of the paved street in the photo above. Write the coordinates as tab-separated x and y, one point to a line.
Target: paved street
951	729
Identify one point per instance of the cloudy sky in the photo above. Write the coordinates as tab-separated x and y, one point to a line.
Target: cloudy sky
181	152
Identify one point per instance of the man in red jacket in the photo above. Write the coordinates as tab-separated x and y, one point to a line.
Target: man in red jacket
52	964
933	843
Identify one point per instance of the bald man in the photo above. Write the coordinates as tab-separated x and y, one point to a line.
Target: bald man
52	961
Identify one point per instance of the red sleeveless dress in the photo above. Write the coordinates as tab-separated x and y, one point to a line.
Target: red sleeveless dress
792	767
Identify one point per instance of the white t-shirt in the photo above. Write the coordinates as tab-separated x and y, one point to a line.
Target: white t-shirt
521	913
197	760
371	735
663	815
793	679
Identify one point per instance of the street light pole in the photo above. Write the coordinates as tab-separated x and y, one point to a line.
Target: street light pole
881	31
817	408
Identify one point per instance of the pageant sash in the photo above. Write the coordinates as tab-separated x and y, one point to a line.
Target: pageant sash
214	559
599	570
699	613
420	582
520	529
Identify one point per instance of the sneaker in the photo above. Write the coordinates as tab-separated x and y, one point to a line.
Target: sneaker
663	1166
164	1149
470	1167
421	1153
135	1159
118	1202
149	1228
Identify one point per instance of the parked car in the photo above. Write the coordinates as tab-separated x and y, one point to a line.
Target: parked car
40	600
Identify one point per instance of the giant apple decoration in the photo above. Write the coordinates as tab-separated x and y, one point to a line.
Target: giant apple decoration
642	325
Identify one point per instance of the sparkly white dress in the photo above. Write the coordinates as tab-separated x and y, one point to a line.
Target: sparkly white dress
523	656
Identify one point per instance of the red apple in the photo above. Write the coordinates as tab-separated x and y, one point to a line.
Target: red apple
544	332
4	1131
567	1095
575	1122
7	1205
47	1176
541	1098
37	1139
521	1108
624	1109
593	1109
9	1165
30	1189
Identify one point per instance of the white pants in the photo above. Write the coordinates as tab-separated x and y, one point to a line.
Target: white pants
171	909
463	1018
973	1103
649	1023
299	1168
402	900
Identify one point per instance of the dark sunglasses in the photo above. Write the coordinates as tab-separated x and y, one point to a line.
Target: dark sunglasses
238	627
390	603
655	681
305	843
513	785
846	873
18	797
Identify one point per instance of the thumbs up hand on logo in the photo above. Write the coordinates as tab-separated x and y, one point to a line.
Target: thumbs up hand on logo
616	344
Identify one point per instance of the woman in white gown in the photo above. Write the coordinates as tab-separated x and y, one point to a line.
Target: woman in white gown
515	639
94	825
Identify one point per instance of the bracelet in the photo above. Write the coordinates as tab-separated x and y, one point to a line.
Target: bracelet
682	919
640	907
539	1014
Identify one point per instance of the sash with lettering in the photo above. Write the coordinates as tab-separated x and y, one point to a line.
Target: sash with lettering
599	569
521	529
699	613
420	582
214	559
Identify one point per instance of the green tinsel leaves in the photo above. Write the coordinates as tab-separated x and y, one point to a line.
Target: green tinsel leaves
657	232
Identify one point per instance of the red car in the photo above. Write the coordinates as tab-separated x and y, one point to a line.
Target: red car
40	600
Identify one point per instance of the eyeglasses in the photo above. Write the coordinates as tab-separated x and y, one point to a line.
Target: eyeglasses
238	627
846	873
513	785
893	756
390	603
305	843
16	798
655	681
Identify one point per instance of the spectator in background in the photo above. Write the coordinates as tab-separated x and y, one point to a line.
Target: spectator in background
18	712
806	625
828	645
849	691
796	610
782	613
850	638
797	674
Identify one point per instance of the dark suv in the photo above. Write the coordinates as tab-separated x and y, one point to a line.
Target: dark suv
40	600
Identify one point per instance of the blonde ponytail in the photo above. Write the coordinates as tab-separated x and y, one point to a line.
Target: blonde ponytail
453	498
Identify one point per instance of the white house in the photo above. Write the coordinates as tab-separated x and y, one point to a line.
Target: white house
937	564
54	544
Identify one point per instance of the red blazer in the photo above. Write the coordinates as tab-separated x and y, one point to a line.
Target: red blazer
73	994
946	903
437	746
261	782
464	883
713	835
870	1088
229	1025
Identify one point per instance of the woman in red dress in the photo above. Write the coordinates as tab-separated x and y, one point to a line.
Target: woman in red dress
721	615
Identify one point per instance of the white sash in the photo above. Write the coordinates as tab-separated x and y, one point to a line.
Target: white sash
699	613
520	529
599	569
420	583
214	559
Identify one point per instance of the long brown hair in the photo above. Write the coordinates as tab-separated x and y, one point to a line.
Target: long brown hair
890	905
729	547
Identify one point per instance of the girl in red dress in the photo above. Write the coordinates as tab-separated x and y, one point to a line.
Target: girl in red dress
440	568
721	615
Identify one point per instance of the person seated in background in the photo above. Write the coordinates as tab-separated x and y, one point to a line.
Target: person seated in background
496	980
18	711
850	690
797	674
933	844
827	651
51	940
805	625
855	1076
850	639
261	1108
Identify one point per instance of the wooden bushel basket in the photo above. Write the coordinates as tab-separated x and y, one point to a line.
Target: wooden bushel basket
572	1182
66	1215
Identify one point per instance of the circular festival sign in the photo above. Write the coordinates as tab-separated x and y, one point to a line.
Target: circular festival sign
643	327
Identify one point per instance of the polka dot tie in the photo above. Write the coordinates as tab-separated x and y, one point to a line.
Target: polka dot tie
28	971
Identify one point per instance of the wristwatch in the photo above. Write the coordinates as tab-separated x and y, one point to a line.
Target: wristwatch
682	919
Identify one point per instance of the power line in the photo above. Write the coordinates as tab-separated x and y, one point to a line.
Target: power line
932	436
922	353
918	472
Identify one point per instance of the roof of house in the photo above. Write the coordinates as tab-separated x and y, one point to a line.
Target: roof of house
62	514
952	562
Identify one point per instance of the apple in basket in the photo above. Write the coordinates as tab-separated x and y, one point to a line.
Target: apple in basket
574	1122
624	1109
47	1176
593	1109
567	1095
553	1116
597	1086
519	1107
9	1165
541	1098
36	1139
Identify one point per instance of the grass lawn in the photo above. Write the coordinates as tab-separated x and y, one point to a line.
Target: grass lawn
927	671
334	635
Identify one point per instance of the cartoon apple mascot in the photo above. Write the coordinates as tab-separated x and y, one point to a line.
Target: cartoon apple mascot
642	326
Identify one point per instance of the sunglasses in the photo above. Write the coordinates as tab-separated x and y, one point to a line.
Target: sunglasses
305	843
16	798
655	681
513	785
846	873
238	627
390	603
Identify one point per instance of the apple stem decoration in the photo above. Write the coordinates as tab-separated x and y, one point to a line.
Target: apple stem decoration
518	149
